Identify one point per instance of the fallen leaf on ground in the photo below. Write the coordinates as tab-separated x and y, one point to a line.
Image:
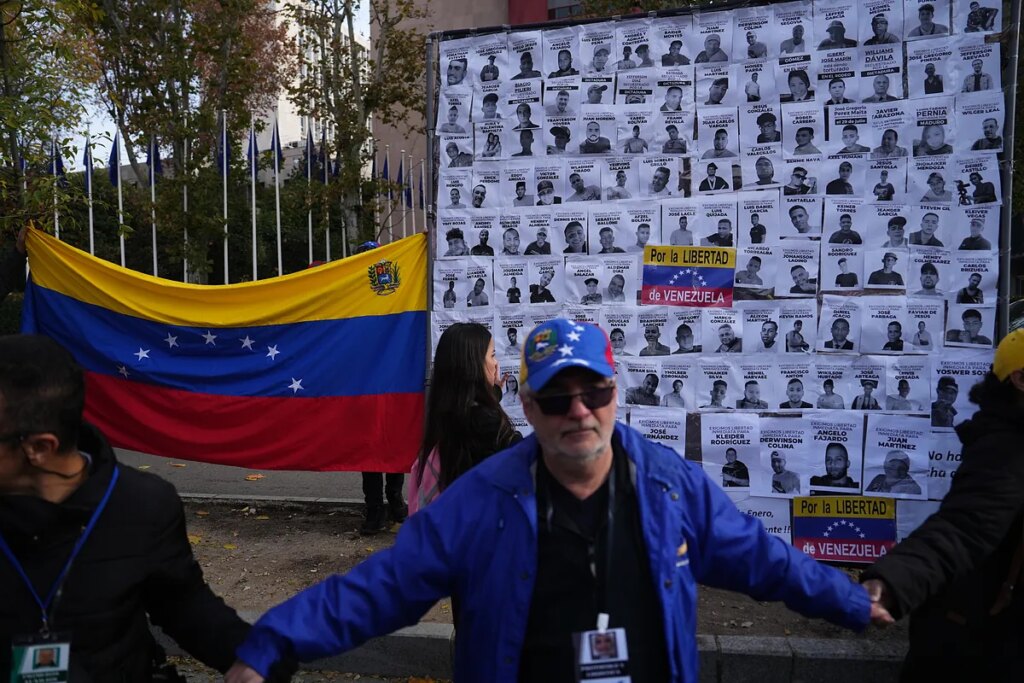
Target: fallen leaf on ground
194	539
144	467
230	546
178	464
202	513
262	516
253	477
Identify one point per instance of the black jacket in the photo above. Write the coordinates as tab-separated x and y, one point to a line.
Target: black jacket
137	562
12	271
485	438
949	571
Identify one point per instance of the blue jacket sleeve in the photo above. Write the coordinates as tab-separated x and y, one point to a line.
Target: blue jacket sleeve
391	589
735	552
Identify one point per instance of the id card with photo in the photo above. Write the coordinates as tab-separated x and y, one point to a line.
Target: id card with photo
602	656
35	659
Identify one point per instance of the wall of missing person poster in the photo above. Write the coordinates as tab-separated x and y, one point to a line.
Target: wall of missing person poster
847	156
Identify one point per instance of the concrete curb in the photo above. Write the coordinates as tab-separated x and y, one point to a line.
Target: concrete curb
273	501
424	650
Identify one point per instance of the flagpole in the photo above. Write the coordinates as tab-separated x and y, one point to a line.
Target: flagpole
88	170
401	194
387	162
410	199
253	161
309	184
327	206
423	194
53	164
120	197
152	196
375	176
184	199
277	190
224	172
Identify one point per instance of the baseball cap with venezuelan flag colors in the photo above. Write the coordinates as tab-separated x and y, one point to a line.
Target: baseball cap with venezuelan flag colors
558	344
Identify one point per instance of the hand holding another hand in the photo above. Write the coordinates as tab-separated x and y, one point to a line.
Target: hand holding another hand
240	672
881	601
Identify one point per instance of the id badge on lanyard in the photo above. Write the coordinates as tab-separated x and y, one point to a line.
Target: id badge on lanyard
45	657
41	659
602	655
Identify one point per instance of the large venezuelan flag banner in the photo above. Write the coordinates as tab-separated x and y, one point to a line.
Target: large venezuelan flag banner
318	370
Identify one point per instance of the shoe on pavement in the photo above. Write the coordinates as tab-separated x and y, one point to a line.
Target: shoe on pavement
398	512
375	522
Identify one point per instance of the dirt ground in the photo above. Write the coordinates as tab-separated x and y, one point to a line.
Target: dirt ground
255	558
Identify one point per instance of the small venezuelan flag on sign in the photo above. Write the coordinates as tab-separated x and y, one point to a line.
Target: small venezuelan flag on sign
688	276
318	370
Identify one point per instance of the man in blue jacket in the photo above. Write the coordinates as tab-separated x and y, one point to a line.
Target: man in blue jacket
582	530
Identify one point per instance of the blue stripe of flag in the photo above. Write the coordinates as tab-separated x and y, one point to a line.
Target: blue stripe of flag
332	357
686	276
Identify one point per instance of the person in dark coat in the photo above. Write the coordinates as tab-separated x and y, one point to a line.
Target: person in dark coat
12	266
134	567
956	574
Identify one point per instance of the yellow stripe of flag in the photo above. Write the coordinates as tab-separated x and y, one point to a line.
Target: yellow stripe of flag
341	289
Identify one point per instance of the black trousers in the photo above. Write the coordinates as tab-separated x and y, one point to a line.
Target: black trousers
374	488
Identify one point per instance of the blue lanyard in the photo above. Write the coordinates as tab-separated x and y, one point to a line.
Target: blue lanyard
55	589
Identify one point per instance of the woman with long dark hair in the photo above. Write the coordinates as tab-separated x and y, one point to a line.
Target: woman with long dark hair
464	421
956	574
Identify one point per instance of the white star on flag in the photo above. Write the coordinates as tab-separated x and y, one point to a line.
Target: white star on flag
171	340
578	328
574	336
122	370
247	343
209	338
272	352
565	350
141	353
296	385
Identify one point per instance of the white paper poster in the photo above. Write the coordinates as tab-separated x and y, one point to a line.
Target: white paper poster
836	452
730	448
953	375
786	459
896	457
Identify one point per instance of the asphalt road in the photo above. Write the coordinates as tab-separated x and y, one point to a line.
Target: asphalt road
204	479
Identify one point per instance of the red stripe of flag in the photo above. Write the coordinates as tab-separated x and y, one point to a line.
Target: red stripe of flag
381	432
698	297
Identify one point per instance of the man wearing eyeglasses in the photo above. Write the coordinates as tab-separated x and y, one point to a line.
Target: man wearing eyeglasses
91	549
583	527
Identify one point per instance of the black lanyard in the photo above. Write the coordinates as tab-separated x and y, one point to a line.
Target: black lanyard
45	606
544	480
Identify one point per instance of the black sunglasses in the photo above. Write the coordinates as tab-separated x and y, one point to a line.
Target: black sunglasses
559	404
